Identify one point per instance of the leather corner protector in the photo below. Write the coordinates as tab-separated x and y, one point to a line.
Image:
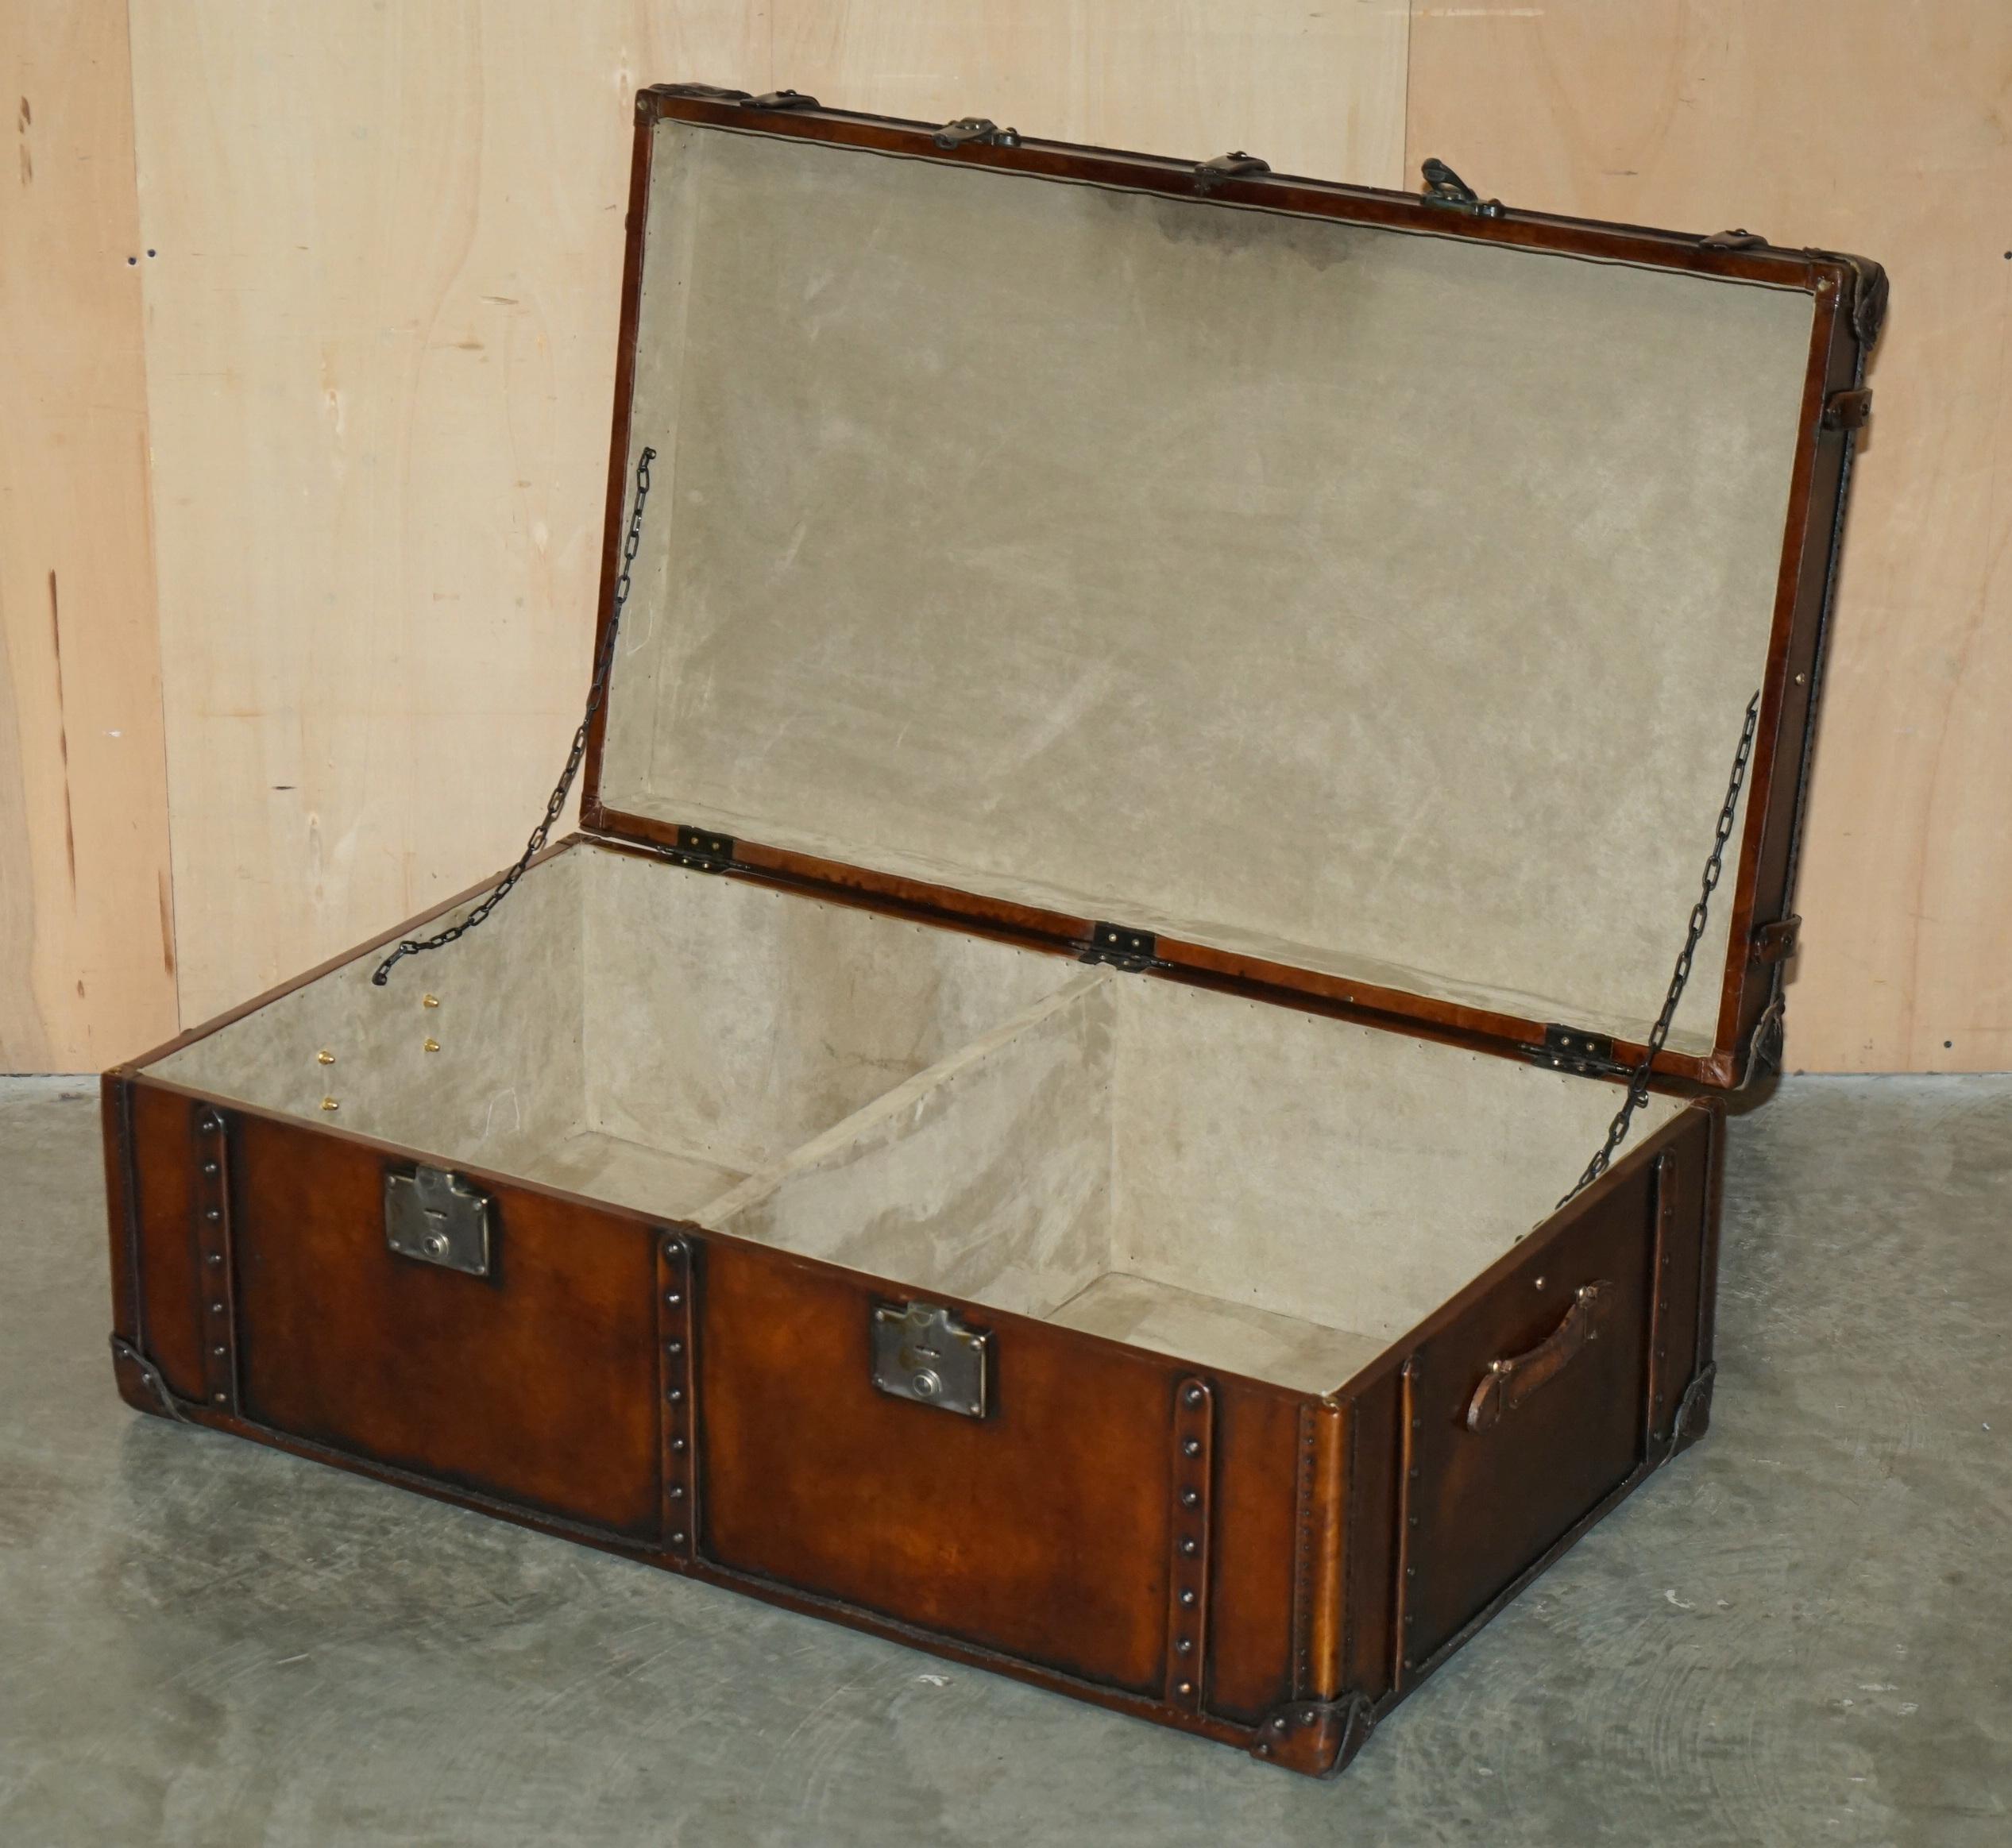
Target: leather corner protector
1314	1738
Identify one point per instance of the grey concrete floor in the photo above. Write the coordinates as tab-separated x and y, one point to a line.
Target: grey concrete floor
1800	1633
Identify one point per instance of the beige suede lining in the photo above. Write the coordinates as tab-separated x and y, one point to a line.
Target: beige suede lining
1382	603
1246	1187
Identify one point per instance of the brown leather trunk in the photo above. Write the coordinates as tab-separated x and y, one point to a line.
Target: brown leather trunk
771	1354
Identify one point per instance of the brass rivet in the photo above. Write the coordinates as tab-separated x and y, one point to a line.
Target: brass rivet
212	1125
677	1491
1184	1647
432	1046
1540	1283
1187	1687
1189	1499
216	1257
210	1167
220	1398
216	1309
324	1057
678	1540
1278	1725
331	1104
677	1446
1191	1547
429	1001
213	1214
673	1347
1192	1447
673	1298
1187	1597
220	1351
1194	1395
1264	1751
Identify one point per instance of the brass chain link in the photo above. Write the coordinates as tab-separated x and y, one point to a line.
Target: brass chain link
596	691
1638	1082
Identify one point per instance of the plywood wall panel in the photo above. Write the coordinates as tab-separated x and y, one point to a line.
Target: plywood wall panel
87	947
1313	90
1858	126
380	336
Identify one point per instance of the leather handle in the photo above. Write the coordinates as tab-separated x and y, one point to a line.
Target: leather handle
1508	1382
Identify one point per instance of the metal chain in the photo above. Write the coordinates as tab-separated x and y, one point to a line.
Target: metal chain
1638	1080
596	691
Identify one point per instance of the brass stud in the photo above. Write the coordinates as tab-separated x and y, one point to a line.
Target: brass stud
677	1492
678	1540
221	1398
213	1214
219	1352
1191	1547
216	1309
1189	1499
1192	1447
1184	1688
673	1347
1187	1597
432	1046
429	1001
324	1057
673	1298
216	1257
1264	1751
1184	1647
676	1395
210	1167
1194	1395
677	1446
331	1104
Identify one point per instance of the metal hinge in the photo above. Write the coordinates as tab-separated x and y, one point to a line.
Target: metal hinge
1777	941
1574	1050
1847	409
1122	946
781	99
701	852
969	128
1443	186
1210	174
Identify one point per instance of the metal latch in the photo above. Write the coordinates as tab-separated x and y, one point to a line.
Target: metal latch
1847	409
968	129
924	1352
702	851
1122	946
1443	186
439	1218
1210	174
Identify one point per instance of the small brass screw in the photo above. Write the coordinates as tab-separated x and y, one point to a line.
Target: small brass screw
432	1045
331	1104
429	1001
324	1057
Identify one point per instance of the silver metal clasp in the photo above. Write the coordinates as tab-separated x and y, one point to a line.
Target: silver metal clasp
439	1218
924	1352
